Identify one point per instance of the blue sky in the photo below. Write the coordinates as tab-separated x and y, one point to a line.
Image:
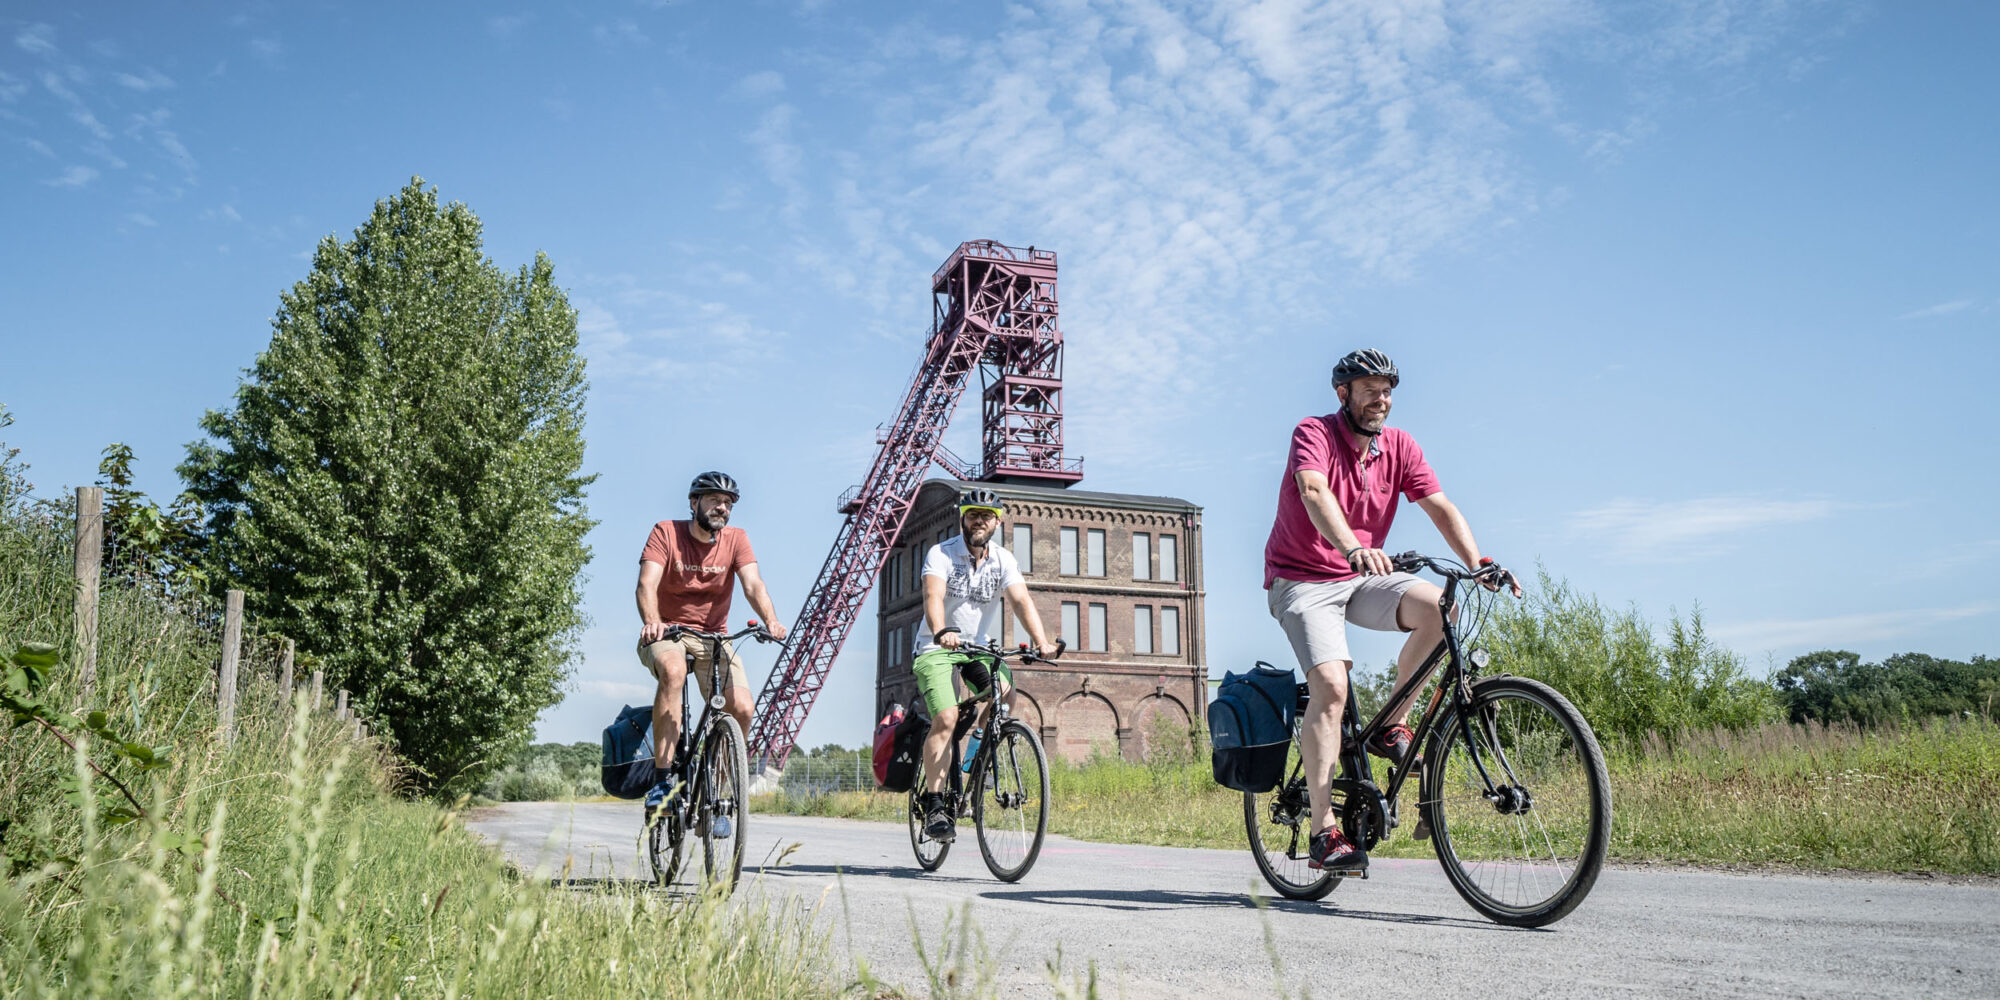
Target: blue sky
1695	300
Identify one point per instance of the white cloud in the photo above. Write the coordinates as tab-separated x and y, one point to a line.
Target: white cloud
764	84
74	177
141	219
269	50
37	39
1172	148
1680	530
506	25
40	147
151	80
630	691
619	32
1840	630
1941	309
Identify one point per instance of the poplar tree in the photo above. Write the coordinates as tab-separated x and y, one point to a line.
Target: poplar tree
398	484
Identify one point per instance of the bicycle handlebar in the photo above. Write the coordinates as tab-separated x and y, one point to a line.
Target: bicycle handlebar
752	628
1410	562
1026	654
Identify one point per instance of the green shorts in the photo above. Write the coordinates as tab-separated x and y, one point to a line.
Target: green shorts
934	672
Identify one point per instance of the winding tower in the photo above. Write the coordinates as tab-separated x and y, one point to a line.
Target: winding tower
992	307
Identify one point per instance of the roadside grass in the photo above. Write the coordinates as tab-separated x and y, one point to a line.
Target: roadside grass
1915	798
285	862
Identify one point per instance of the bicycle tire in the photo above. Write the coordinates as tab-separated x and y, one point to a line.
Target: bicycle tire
1010	802
1521	863
1284	811
726	793
930	853
667	847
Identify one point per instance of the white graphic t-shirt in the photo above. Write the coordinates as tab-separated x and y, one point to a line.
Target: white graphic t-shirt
971	593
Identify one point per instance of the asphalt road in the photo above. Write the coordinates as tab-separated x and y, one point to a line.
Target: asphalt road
1180	922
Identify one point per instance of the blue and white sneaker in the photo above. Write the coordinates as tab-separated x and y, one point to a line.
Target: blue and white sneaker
658	795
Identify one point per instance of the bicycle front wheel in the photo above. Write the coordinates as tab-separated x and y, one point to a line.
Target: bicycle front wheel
1518	802
725	813
1010	802
1279	823
667	846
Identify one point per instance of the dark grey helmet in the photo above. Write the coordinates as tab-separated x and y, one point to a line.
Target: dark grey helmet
981	499
1363	363
714	482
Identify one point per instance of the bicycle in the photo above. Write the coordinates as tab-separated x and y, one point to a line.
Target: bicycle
1513	792
1009	764
715	777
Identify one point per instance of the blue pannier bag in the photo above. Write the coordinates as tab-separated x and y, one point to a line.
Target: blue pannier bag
628	754
1250	727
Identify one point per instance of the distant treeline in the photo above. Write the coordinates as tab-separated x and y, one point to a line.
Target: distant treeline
1836	686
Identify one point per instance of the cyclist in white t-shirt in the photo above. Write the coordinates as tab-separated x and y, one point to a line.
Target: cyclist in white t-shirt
965	577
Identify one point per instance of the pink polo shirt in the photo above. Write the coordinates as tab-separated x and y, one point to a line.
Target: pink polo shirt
1366	492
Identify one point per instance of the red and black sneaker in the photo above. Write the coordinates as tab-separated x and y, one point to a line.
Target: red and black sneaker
1392	744
1332	851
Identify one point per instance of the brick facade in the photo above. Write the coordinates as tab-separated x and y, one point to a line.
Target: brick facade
1115	690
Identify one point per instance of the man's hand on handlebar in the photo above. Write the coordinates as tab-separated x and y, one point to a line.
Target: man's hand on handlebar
1370	562
776	630
1492	575
1049	650
652	632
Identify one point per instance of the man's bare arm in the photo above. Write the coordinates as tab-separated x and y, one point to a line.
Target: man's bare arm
648	598
1317	495
760	600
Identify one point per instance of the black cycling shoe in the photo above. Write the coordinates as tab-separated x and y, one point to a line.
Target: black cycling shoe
938	823
1332	851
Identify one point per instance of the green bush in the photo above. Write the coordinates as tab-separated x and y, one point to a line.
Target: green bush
1619	673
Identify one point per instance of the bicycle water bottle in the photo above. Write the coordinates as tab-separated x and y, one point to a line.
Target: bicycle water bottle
971	751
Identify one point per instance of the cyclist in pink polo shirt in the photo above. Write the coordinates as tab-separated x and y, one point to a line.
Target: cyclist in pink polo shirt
1324	566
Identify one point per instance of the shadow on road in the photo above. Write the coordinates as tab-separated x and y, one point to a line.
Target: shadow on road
1154	899
879	871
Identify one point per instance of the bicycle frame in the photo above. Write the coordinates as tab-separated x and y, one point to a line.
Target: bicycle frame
1357	777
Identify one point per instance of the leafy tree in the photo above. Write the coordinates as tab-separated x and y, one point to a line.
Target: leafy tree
397	485
1836	686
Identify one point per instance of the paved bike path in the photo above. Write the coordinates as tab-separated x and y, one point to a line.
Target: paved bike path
1180	922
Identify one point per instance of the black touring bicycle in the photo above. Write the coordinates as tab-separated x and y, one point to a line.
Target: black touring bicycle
1513	793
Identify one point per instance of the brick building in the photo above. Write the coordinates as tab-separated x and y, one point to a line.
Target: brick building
1116	575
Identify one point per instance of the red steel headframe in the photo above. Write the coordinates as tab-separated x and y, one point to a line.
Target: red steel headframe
984	292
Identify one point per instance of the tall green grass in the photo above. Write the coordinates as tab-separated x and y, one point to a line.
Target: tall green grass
283	862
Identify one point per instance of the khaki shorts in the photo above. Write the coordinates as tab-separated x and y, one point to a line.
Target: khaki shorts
694	653
1315	615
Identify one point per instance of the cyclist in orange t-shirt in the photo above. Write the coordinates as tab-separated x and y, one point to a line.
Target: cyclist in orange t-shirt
686	574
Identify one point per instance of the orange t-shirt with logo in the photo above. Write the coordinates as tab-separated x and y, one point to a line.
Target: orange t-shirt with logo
696	585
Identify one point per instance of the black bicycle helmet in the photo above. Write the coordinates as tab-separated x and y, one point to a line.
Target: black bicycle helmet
981	499
1363	363
714	482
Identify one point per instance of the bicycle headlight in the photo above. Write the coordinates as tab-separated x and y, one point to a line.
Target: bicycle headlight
1480	658
715	702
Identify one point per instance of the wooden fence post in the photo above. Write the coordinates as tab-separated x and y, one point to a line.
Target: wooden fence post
285	676
89	562
232	648
319	688
340	705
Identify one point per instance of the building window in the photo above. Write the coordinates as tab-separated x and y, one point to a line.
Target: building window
1098	613
917	568
1069	625
1142	556
1024	548
895	574
1094	556
1170	631
1142	629
1069	551
1169	559
890	645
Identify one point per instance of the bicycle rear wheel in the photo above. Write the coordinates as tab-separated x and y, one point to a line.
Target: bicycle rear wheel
1010	802
1279	824
726	802
930	853
1527	853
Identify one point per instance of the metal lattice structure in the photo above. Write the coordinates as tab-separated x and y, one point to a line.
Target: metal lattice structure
993	306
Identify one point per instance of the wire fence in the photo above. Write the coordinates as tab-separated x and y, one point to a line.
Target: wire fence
808	776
